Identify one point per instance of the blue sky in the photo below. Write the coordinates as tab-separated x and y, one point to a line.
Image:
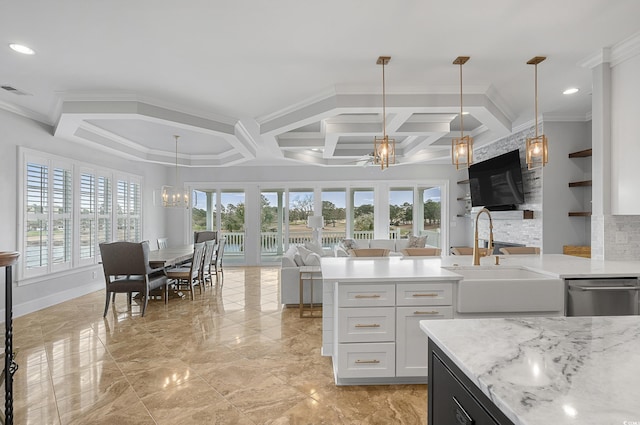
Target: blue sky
361	197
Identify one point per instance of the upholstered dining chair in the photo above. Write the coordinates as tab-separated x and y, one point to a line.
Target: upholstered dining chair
466	250
126	270
204	235
422	252
205	271
187	277
369	252
511	250
216	261
163	243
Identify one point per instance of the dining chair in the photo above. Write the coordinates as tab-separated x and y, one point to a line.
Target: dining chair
126	270
188	277
216	261
205	271
422	252
205	235
467	250
369	252
510	250
163	243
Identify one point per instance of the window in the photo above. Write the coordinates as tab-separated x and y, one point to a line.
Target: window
66	211
334	212
128	210
400	213
362	201
48	226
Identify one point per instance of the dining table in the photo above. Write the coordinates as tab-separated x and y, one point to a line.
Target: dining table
171	256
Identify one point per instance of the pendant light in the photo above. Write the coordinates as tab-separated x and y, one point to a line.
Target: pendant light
537	151
462	147
173	196
384	148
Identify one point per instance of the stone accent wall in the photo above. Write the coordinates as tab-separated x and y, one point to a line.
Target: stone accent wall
525	232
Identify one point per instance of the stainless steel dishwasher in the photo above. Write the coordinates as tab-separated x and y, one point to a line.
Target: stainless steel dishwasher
602	297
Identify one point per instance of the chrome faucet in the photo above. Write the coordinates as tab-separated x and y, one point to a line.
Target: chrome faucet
476	249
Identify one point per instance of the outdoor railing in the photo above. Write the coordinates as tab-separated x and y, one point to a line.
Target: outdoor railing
270	243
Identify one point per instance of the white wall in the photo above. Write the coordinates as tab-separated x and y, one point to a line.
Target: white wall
558	228
20	131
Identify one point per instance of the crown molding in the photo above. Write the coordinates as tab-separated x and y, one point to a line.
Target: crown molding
25	112
614	55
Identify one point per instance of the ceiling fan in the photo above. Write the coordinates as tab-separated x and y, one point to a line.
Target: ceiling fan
365	160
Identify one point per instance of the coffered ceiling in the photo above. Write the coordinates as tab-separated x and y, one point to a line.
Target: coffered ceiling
290	82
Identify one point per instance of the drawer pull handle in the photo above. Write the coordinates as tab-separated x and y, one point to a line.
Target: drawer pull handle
374	325
368	296
424	295
367	361
426	312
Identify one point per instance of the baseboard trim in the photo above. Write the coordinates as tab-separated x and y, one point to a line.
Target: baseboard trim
53	299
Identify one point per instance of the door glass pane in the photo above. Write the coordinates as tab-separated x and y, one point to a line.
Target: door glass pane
300	208
363	213
271	224
232	224
334	211
204	214
430	217
400	213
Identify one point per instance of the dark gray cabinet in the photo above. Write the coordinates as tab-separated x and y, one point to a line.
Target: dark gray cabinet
454	399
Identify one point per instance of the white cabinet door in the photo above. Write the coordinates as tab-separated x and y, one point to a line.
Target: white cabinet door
411	344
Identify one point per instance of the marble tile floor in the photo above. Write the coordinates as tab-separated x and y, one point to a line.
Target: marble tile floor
232	356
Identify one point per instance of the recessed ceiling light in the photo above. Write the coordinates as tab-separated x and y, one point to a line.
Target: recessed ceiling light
465	113
22	49
571	90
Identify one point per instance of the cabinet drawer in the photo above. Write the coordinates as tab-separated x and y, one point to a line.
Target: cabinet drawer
367	360
366	295
425	294
366	324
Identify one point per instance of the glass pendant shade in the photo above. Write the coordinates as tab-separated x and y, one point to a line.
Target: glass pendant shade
462	152
384	148
461	147
537	147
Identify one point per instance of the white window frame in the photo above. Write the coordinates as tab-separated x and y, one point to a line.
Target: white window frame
73	215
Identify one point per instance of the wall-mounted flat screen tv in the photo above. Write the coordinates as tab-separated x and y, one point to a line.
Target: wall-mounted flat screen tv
497	182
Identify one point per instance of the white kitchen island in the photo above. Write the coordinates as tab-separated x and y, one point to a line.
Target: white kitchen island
534	371
372	306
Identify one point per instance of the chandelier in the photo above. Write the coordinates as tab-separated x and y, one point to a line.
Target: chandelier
461	147
537	151
173	196
384	148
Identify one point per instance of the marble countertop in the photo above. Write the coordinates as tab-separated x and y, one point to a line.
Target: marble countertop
424	268
541	371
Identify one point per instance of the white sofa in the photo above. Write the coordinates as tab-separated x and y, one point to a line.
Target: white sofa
290	277
395	246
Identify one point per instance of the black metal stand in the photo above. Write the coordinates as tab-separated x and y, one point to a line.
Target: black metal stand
7	259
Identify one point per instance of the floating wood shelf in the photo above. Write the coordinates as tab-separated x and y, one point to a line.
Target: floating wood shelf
463	181
579	184
581	154
580	214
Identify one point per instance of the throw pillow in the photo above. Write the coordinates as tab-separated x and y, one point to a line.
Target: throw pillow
314	246
349	244
417	241
309	258
297	258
